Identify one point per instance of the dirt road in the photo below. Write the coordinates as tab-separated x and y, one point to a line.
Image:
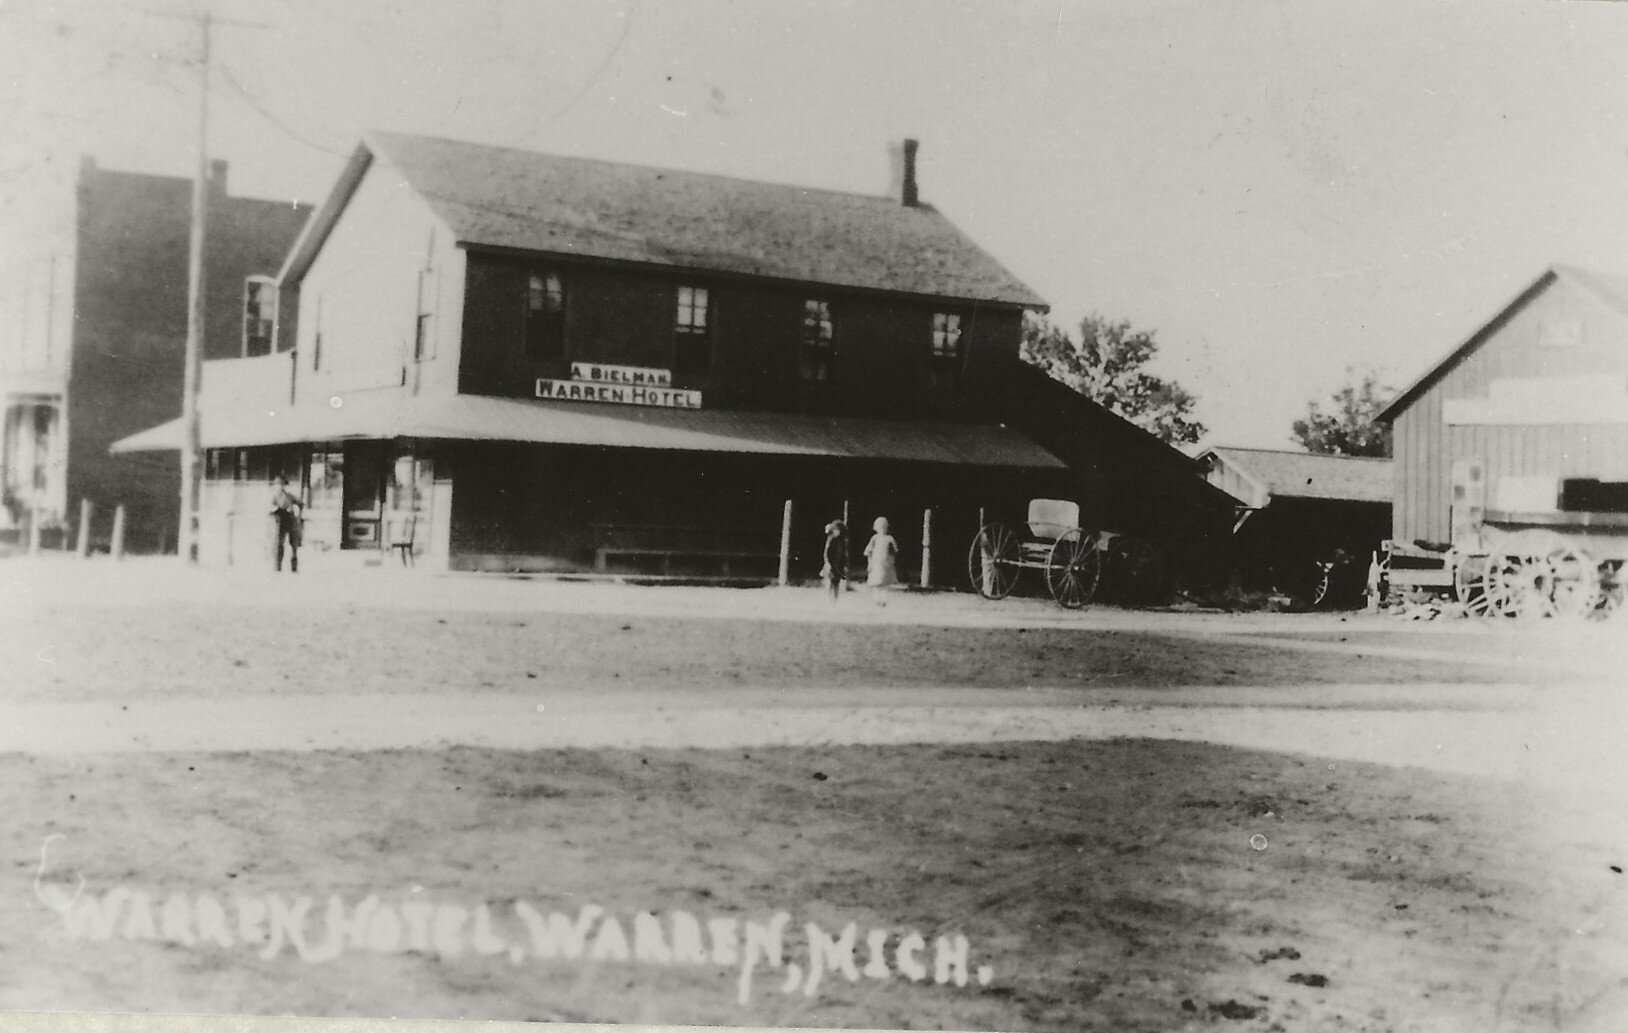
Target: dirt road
1150	821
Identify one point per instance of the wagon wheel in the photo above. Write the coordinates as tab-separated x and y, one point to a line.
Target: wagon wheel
993	561
1537	573
1612	588
1574	583
1073	569
1517	578
1135	571
1474	592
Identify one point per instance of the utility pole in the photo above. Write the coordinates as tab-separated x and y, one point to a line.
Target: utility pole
197	289
191	451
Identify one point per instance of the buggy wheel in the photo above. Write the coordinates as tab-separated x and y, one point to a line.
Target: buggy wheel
1322	583
1135	572
1197	561
1073	569
1470	584
993	561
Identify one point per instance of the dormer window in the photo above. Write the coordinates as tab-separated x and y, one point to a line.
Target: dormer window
692	333
545	315
946	355
819	346
259	316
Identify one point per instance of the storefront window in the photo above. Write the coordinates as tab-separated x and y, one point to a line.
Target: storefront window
253	466
327	479
403	485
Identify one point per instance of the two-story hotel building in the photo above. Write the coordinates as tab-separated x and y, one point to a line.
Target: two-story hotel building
514	361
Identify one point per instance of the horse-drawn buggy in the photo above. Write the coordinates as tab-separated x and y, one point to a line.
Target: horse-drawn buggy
1074	561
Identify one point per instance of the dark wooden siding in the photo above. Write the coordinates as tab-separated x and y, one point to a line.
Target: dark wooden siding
625	316
535	507
1426	448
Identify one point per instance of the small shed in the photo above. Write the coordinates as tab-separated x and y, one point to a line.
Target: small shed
1297	510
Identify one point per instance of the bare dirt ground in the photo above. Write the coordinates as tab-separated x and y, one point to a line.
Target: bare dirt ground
1137	820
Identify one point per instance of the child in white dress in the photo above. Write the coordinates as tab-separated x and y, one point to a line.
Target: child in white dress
881	552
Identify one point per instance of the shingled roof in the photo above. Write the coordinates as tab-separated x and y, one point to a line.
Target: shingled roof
1304	475
502	198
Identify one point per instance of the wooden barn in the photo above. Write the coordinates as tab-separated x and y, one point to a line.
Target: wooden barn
1523	430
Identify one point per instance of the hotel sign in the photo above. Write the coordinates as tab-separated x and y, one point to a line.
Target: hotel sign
619	385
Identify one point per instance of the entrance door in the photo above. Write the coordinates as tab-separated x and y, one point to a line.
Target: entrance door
407	524
364	494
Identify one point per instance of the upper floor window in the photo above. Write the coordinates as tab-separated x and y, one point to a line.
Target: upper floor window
259	315
692	332
946	348
545	315
819	346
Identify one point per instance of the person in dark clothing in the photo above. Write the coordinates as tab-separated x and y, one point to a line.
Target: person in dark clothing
285	509
835	571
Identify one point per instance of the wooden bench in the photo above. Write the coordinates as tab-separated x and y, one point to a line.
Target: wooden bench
669	542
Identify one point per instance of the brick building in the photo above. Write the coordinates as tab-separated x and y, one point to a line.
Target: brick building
126	339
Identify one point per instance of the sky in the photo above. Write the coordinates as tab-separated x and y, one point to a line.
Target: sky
1286	191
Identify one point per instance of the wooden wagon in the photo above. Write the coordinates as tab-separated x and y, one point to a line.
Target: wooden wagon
1553	564
1524	564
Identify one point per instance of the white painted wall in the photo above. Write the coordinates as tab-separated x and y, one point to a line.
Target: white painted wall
363	294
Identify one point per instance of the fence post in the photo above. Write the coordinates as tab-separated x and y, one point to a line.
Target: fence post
926	548
116	546
785	546
85	510
34	528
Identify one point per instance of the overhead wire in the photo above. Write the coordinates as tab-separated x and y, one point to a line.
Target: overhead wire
265	112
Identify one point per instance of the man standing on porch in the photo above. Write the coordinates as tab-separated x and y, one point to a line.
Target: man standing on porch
283	506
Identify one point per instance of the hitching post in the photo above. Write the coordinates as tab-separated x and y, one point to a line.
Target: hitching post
85	510
926	547
116	547
34	528
785	546
848	537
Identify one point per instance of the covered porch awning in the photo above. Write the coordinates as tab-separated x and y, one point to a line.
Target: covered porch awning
386	416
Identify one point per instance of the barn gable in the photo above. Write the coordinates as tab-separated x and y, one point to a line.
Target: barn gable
1537	396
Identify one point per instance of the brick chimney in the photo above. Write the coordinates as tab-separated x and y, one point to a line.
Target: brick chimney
217	177
908	193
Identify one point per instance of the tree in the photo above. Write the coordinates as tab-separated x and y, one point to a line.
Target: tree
1107	365
1351	426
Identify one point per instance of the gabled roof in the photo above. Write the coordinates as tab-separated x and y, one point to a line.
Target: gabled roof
1288	474
1096	441
1613	290
496	197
